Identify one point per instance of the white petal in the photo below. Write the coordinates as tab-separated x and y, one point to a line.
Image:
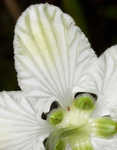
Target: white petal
51	53
21	128
104	75
104	144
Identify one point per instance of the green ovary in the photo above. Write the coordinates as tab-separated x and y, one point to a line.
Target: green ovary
74	126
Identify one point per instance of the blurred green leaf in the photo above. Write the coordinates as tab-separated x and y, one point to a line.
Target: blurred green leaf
109	11
8	79
74	8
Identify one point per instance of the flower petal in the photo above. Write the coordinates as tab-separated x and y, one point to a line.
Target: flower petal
51	53
104	144
105	78
20	124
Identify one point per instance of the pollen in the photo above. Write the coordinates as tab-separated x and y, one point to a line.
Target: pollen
68	108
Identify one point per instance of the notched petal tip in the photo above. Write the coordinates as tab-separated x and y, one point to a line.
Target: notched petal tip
51	53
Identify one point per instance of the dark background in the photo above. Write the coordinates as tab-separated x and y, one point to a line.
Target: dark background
96	18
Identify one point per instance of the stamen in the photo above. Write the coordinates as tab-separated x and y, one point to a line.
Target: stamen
73	125
84	103
44	116
56	117
54	105
106	127
87	93
45	141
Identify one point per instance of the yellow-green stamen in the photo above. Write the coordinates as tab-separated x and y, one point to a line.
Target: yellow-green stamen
106	127
74	126
56	116
85	103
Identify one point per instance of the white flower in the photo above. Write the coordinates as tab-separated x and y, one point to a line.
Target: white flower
60	78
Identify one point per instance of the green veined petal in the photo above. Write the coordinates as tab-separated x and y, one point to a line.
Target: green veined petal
51	53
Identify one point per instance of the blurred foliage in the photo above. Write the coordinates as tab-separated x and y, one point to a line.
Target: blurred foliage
109	12
7	72
97	18
74	8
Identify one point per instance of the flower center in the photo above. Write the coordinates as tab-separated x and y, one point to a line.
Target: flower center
73	126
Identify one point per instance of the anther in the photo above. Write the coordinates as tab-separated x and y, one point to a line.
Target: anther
44	116
82	93
54	105
45	141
